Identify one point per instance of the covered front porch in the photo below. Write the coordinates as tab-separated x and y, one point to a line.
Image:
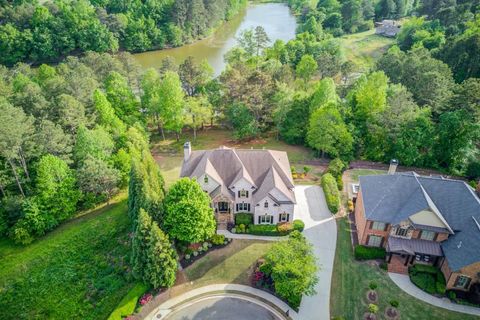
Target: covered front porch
402	253
223	213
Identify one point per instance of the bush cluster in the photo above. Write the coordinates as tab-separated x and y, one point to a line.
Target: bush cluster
298	225
369	253
218	239
427	278
332	195
244	218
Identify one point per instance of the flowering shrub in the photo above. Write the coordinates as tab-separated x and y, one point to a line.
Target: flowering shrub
257	277
146	298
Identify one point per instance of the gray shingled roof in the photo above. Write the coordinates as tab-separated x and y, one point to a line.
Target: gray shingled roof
266	169
412	246
393	198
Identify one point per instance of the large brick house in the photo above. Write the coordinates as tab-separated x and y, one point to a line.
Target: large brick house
418	219
248	181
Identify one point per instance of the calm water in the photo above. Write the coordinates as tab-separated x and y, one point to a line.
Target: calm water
275	18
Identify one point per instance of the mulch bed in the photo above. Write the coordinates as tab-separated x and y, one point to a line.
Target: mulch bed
392	313
369	316
185	263
372	296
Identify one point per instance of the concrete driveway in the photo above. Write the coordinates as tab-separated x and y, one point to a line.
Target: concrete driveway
321	231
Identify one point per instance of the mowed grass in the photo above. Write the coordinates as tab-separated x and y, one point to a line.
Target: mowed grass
351	280
78	271
354	174
232	264
364	48
169	153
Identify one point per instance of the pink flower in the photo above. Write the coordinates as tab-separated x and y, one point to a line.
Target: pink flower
146	298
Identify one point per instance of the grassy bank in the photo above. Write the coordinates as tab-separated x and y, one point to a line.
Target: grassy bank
351	280
78	271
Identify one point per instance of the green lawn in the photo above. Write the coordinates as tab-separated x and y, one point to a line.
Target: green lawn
78	271
364	48
355	173
350	283
232	264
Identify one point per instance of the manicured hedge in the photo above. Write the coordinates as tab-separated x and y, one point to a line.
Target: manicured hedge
127	305
369	253
264	230
427	278
243	218
332	195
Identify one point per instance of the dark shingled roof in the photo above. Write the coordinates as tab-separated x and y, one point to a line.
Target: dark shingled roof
268	170
393	198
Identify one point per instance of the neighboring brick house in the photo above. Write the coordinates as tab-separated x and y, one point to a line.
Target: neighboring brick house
249	181
418	219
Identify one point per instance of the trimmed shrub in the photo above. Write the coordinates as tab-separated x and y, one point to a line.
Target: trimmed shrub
241	228
187	257
332	195
244	218
339	183
369	253
285	227
373	285
298	225
234	230
394	303
264	230
372	308
217	239
351	207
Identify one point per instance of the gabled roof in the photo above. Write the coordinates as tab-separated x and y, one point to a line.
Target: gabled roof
266	170
394	198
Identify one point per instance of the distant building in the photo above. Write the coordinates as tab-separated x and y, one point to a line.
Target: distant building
387	28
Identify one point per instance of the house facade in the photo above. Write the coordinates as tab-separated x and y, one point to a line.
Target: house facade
243	181
426	220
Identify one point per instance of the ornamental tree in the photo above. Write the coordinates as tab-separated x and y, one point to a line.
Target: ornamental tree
294	268
188	215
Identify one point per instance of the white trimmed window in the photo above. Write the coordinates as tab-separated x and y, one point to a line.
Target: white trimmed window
427	235
283	217
462	281
374	241
378	225
266	219
205	179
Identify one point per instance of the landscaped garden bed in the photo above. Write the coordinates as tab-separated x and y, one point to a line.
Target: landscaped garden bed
427	278
278	230
196	251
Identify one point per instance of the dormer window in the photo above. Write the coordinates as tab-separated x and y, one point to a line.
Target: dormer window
265	204
205	179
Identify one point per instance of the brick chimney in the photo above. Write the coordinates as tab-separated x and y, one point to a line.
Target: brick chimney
187	151
393	166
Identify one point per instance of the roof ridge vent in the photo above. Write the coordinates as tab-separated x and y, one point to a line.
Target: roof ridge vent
476	222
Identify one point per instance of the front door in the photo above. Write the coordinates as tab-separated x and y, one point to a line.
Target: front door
223	206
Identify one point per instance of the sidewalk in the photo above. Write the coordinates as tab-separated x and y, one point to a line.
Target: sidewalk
167	307
244	236
404	283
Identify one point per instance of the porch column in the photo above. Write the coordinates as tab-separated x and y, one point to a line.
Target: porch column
406	260
413	258
390	257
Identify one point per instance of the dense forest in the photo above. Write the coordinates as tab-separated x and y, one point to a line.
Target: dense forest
45	31
70	131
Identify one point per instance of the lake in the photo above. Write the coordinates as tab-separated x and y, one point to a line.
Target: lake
275	18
